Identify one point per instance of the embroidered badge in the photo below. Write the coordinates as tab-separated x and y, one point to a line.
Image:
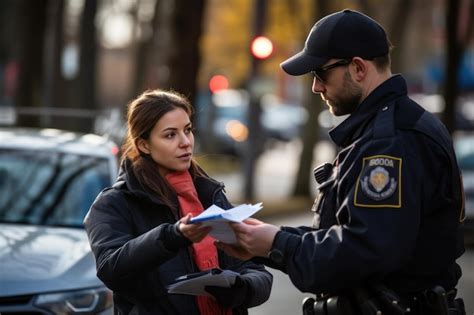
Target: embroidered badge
379	182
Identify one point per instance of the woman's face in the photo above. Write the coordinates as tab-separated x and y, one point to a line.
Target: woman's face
171	142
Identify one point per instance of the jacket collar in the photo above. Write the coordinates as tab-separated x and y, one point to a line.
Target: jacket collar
206	187
353	127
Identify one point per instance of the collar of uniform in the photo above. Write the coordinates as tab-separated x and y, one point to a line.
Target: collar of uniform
351	128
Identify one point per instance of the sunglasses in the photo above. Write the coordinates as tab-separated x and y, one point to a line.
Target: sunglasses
321	73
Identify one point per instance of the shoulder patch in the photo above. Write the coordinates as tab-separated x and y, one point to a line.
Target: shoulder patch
379	182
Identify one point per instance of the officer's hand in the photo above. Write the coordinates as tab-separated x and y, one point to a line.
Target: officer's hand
255	236
194	232
234	250
230	297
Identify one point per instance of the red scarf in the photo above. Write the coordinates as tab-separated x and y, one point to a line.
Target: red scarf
204	252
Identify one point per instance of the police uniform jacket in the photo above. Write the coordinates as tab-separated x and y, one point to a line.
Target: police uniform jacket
138	252
389	207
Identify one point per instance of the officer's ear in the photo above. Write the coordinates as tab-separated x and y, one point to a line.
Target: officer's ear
359	68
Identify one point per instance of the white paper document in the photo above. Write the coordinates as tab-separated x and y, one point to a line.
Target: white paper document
194	284
219	219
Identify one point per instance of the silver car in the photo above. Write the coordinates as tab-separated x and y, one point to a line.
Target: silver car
48	180
464	146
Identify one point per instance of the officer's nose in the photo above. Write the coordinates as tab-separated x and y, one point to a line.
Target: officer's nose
318	86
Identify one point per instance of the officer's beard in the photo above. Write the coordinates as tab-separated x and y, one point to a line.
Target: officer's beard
348	98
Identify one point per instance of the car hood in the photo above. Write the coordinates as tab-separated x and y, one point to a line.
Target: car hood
36	259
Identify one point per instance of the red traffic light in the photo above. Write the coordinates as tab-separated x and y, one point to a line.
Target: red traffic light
218	82
261	47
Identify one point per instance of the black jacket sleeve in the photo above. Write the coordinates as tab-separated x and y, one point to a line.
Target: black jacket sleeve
121	256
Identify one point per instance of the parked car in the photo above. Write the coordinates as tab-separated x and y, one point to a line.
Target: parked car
464	146
48	180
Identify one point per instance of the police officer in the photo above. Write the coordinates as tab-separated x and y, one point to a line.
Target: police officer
389	208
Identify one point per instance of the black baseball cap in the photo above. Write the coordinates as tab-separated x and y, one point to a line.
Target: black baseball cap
344	34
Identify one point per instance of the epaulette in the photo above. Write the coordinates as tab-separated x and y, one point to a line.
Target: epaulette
384	125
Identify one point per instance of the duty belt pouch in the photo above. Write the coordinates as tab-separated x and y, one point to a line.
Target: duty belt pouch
370	300
436	301
339	305
330	305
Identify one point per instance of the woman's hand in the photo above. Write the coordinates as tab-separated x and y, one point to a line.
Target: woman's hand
194	232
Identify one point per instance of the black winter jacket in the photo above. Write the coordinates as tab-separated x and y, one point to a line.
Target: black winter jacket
138	252
389	208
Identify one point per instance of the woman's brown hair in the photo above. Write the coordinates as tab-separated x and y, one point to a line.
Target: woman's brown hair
142	115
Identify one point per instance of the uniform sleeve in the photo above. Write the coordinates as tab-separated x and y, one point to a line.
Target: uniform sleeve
122	258
378	208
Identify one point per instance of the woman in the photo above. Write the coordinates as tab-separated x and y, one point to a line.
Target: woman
138	229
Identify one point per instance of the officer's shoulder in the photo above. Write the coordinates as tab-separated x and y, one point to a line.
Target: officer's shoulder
411	116
408	113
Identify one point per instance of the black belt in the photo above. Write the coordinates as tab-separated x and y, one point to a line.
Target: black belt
435	301
378	299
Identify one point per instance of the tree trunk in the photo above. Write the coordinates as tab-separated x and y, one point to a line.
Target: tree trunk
7	37
144	49
457	40
185	57
453	54
86	82
53	82
313	104
400	11
396	31
31	20
255	139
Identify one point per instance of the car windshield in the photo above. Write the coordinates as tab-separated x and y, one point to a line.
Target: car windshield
49	188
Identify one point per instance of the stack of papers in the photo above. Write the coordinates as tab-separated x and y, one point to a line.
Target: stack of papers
219	219
195	283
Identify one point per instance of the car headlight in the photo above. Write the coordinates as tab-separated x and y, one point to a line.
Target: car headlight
88	301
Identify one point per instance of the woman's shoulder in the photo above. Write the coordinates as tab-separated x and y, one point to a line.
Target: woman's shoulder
112	198
110	203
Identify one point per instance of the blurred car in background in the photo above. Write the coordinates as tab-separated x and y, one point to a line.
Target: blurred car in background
227	119
464	109
226	116
282	121
48	180
464	146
